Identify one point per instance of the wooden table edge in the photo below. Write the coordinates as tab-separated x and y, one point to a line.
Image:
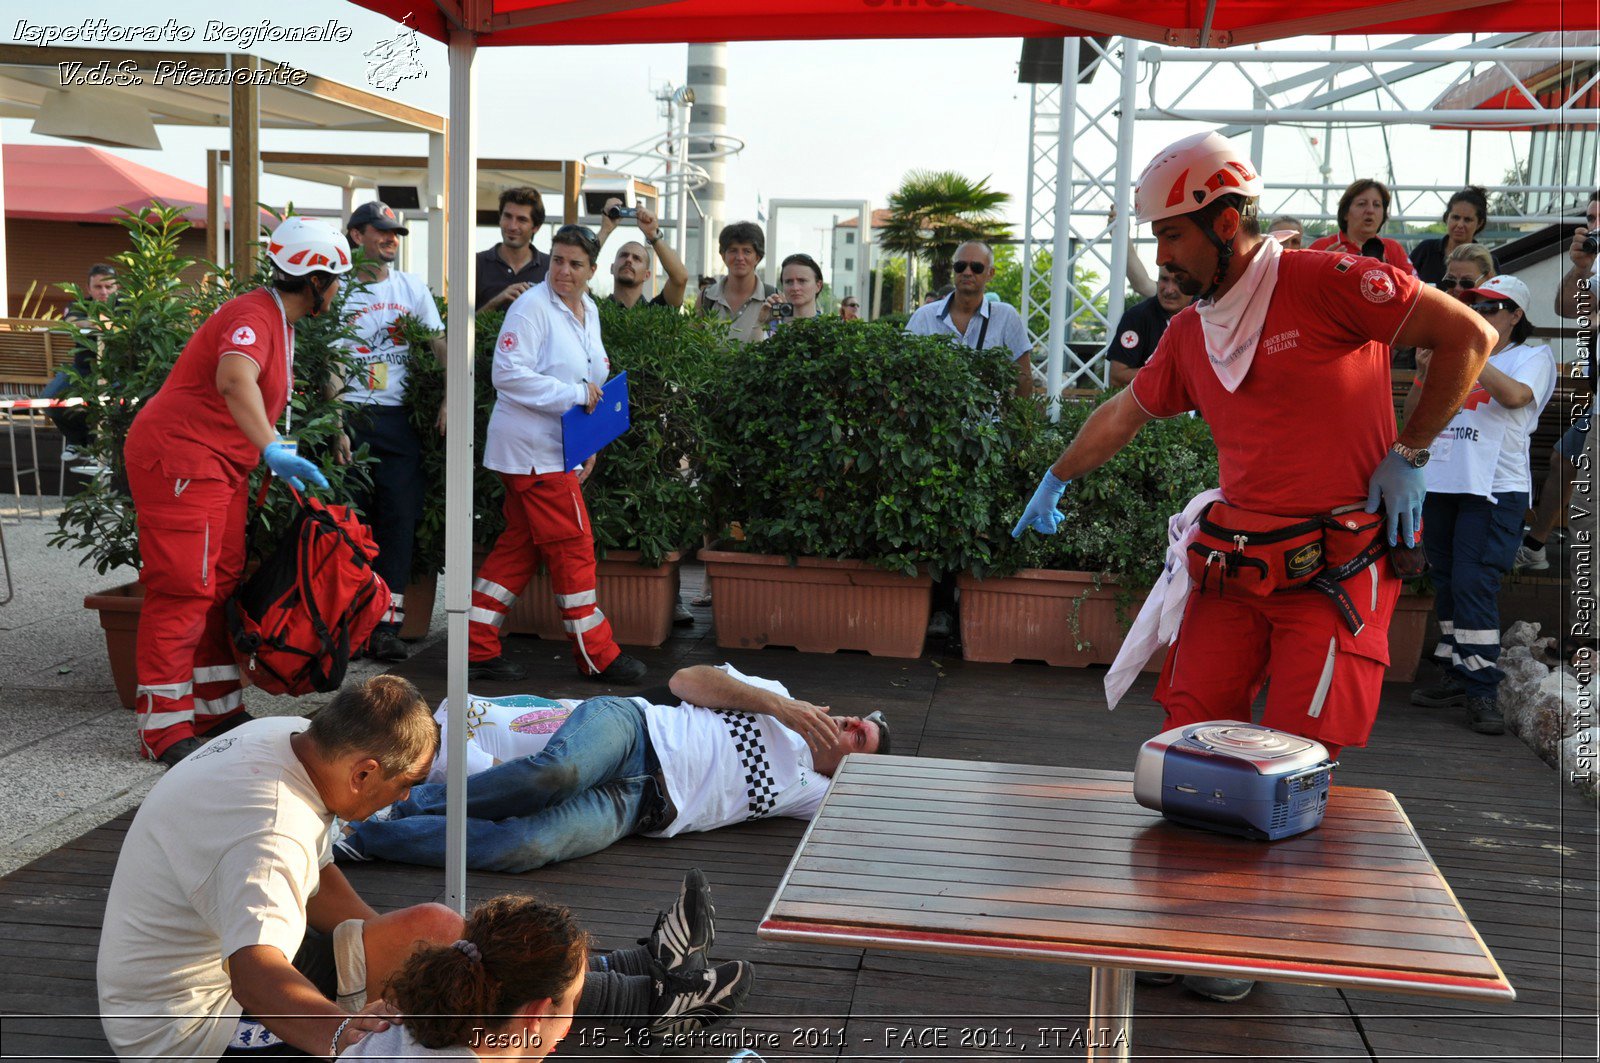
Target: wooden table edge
1137	959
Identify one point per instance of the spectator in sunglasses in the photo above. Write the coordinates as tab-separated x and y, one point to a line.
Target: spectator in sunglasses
1467	267
1478	488
1466	216
850	308
973	321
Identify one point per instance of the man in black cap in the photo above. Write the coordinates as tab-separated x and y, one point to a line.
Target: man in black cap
378	416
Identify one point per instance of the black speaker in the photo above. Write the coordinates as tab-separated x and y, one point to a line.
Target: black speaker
401	197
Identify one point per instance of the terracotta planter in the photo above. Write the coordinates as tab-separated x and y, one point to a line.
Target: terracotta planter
816	605
119	609
638	601
1408	636
420	596
1030	617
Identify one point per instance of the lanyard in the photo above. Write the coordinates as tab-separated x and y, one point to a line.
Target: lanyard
288	363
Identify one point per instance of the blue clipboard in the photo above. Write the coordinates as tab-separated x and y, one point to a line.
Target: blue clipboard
585	434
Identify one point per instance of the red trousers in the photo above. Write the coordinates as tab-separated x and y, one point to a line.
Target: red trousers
1325	682
546	521
191	545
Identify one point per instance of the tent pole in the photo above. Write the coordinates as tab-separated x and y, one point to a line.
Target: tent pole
462	159
1122	196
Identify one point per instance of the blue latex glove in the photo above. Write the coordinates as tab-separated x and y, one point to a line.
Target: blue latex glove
1042	515
1400	487
281	458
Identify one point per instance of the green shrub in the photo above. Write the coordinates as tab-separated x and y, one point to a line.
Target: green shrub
1116	517
856	441
144	331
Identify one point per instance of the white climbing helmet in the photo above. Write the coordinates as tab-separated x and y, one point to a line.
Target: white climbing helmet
1188	174
301	245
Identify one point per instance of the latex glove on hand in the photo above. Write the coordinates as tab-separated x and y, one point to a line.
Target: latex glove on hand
281	458
1042	515
1400	487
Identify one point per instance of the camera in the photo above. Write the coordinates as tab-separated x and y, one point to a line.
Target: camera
1591	243
618	213
783	310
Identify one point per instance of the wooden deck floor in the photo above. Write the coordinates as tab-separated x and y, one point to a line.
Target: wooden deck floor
1517	846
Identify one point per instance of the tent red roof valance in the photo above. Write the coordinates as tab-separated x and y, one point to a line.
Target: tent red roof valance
1175	22
53	183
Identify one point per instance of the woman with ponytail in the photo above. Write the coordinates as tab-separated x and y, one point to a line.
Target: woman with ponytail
508	988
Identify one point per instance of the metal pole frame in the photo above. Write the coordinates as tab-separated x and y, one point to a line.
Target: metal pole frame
462	160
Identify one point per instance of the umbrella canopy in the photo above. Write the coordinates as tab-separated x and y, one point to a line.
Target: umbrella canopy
1218	24
53	183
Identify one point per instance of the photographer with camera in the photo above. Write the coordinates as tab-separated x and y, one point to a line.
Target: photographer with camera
630	270
800	282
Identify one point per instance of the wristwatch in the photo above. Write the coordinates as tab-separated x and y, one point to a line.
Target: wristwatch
1416	457
651	240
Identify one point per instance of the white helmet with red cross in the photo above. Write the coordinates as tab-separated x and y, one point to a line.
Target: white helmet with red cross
1190	173
299	246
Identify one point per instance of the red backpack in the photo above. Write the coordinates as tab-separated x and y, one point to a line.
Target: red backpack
295	621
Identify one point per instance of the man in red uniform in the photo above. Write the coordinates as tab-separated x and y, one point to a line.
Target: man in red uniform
189	455
1286	357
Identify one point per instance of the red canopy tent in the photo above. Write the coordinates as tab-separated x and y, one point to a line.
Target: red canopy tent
55	183
466	25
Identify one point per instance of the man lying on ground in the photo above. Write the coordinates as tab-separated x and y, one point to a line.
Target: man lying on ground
713	748
246	912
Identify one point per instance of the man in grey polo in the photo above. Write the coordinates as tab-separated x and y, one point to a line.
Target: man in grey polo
974	321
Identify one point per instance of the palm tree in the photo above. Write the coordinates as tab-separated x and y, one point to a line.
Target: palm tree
933	212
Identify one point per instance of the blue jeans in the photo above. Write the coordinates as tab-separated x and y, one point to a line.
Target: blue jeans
593	784
1471	542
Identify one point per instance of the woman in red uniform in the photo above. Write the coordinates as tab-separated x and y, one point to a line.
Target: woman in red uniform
1363	209
189	457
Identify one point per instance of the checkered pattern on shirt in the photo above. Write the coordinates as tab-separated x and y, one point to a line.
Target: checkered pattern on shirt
759	784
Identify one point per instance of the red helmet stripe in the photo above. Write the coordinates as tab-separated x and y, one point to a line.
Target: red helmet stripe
1175	196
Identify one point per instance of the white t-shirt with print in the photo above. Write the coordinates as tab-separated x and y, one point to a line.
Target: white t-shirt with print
1483	451
502	729
225	853
372	312
726	767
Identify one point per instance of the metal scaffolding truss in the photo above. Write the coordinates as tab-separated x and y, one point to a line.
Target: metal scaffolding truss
1065	135
1342	88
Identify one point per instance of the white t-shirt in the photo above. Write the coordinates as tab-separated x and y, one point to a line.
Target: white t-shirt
396	1044
225	853
726	767
372	313
1484	449
502	729
542	359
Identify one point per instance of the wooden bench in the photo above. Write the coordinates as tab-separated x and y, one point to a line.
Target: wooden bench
30	353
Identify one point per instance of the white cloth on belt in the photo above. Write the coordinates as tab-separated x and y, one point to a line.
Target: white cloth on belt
1162	612
1233	324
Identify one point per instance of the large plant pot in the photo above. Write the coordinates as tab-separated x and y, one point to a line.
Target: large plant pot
119	609
1042	614
1408	636
419	595
637	600
816	605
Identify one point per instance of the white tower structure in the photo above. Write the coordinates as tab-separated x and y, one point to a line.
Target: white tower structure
707	77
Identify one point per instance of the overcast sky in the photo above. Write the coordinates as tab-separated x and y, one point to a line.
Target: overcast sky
829	119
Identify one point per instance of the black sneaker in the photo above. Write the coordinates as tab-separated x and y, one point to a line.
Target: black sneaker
624	671
385	645
178	750
496	668
684	1003
1225	990
1447	692
1483	716
683	936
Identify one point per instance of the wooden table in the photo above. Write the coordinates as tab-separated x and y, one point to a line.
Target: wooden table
1061	864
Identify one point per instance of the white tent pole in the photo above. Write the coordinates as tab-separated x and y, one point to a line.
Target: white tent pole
1061	248
462	160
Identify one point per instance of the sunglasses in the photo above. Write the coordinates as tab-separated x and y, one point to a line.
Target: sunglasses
851	306
962	267
1446	284
1490	307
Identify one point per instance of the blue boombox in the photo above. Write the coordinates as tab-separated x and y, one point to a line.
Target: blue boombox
1236	778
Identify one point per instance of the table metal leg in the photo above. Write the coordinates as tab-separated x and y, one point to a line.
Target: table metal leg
1110	1032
